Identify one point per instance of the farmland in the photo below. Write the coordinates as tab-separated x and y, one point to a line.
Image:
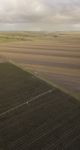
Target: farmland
54	57
35	115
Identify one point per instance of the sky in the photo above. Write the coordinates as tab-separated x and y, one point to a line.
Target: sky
40	15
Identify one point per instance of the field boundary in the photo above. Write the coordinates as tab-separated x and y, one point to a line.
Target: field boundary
39	76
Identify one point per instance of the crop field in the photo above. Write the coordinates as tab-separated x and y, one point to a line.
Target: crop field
35	115
52	56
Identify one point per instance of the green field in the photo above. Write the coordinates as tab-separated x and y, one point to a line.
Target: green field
34	115
26	36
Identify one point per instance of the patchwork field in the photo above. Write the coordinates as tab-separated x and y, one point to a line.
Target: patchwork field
35	115
52	56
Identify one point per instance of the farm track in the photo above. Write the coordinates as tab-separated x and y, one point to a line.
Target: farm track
26	102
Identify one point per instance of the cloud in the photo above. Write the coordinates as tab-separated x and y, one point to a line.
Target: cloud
40	12
21	10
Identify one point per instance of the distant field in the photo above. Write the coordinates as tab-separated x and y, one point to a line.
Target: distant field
35	115
52	56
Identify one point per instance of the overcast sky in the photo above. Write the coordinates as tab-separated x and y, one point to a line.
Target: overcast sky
51	15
